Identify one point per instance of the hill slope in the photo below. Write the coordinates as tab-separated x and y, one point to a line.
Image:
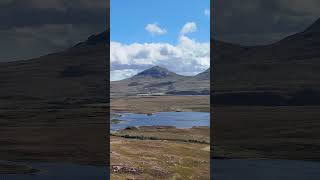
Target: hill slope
53	97
161	80
281	73
76	73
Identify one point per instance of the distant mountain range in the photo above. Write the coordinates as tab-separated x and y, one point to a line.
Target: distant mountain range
78	74
160	80
282	73
285	72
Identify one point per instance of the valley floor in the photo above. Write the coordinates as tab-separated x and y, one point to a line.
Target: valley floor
56	134
150	153
153	104
160	152
273	132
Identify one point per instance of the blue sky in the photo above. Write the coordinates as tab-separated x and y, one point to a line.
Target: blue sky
129	18
141	30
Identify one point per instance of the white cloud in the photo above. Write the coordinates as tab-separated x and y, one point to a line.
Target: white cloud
188	57
49	4
207	12
61	5
189	28
116	75
3	2
155	29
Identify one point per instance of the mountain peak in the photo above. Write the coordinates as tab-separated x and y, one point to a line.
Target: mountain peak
315	27
156	72
95	39
204	75
99	38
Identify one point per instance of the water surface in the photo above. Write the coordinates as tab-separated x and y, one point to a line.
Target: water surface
177	119
59	171
263	169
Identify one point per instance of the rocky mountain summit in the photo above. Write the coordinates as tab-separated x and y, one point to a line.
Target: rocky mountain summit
158	80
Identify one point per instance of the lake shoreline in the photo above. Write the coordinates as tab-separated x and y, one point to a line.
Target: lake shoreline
27	170
156	104
264	169
16	168
179	120
161	149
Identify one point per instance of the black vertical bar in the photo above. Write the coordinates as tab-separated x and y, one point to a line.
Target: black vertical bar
108	88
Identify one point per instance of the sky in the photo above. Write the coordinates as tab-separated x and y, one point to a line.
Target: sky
261	22
32	28
172	34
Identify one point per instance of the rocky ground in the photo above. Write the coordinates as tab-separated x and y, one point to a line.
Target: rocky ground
149	153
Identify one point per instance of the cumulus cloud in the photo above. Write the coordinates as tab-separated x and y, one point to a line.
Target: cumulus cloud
265	21
116	75
29	42
187	57
155	29
207	12
4	2
60	5
189	28
33	28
